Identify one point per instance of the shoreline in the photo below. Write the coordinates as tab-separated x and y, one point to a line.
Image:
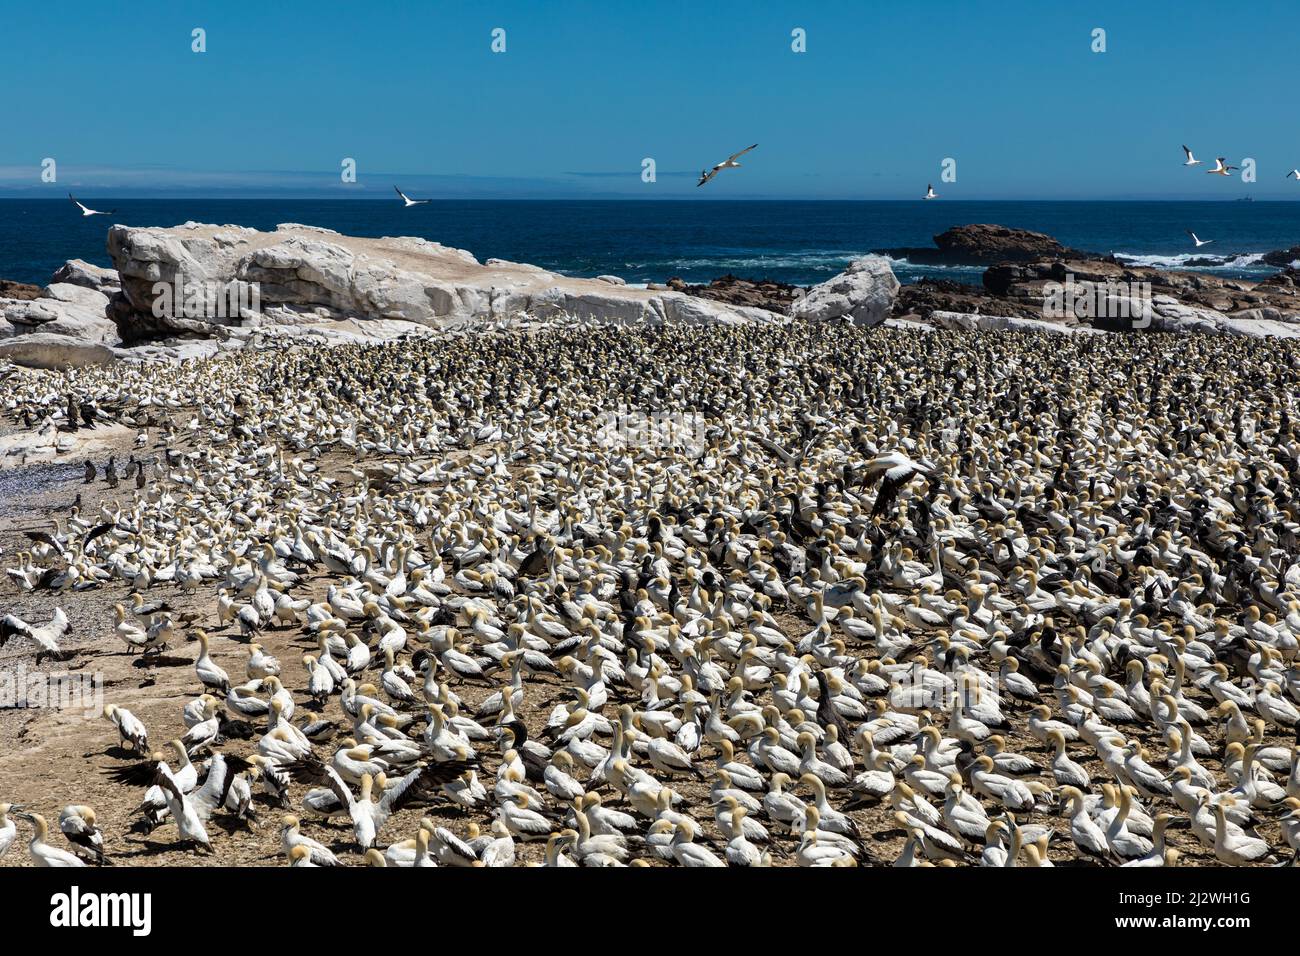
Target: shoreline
308	284
802	243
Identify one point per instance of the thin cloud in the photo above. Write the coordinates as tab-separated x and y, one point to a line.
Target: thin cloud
629	174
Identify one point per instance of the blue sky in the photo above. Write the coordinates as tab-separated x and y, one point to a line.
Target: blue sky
584	91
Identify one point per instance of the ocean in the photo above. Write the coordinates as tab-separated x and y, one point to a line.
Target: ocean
650	241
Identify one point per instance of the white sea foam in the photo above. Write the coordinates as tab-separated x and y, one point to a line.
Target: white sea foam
1253	261
834	259
904	264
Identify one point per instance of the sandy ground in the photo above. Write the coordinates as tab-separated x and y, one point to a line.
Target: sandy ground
50	758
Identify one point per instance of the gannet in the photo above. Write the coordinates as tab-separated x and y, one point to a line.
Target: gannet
728	163
42	853
407	201
85	211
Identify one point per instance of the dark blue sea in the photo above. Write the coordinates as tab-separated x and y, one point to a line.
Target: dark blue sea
651	241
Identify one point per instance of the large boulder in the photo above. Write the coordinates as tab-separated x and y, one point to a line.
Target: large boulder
89	275
981	244
66	325
48	350
863	294
985	243
304	275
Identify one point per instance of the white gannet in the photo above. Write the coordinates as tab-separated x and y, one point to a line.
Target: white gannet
728	163
129	728
78	824
291	839
408	201
85	211
41	852
211	674
152	772
368	815
8	829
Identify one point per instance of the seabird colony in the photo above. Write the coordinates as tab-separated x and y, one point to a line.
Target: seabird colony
885	596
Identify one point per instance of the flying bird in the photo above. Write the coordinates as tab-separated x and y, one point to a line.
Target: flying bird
1220	168
728	163
1199	242
408	200
46	637
897	470
86	211
1191	160
1295	173
929	192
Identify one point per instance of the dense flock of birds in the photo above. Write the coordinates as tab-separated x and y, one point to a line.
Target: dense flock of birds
896	597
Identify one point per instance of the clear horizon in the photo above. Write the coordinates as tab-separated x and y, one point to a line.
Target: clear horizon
582	94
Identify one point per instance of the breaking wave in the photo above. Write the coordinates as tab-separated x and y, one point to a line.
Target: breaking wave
1240	261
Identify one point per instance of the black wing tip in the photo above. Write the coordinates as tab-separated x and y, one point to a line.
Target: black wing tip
309	769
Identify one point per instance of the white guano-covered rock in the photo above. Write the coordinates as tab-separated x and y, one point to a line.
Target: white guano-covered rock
68	325
82	273
863	294
301	269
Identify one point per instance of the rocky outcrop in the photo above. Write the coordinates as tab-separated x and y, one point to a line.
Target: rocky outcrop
69	310
863	294
921	299
752	293
1103	292
66	325
1286	282
315	286
1024	283
1283	257
19	290
1174	316
89	275
990	243
982	244
26	447
303	273
48	350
